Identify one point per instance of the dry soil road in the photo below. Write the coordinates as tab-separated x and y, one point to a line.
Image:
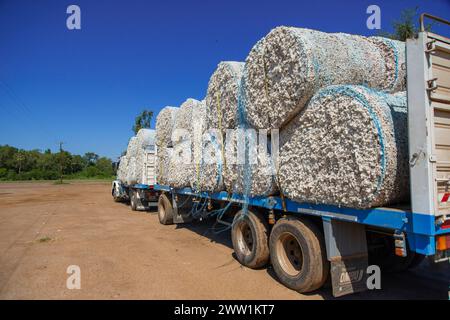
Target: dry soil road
44	228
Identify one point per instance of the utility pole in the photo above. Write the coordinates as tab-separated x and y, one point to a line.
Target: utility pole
60	163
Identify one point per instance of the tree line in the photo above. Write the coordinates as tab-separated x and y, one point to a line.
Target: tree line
19	164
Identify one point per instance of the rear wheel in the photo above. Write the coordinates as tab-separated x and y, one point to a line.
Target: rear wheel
165	210
298	255
133	200
115	194
250	234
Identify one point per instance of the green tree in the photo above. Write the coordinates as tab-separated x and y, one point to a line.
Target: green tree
19	159
105	167
90	158
19	164
406	27
77	163
142	121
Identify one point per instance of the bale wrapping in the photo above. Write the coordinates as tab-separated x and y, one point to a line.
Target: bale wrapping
223	94
123	169
162	165
286	67
248	169
164	124
210	174
186	138
348	147
131	161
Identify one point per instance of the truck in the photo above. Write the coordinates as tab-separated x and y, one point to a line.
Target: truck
141	196
310	244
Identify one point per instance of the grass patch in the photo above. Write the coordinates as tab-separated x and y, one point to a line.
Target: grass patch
60	182
44	239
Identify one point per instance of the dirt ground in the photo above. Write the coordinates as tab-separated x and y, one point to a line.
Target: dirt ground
44	228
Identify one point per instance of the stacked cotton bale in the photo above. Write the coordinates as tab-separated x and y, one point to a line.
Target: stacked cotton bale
164	124
186	138
210	172
287	66
348	147
131	161
162	165
123	168
248	169
223	94
395	57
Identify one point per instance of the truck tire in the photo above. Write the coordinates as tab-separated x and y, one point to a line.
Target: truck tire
250	237
165	210
297	253
115	194
133	200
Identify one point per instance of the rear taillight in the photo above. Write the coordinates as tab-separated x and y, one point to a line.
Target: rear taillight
443	242
446	224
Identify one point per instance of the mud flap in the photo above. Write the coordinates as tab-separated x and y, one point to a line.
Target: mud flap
178	215
347	252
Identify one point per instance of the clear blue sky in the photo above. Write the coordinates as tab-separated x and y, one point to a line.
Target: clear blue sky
85	87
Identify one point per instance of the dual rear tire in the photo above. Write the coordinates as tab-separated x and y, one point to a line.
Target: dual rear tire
295	248
297	254
250	234
165	210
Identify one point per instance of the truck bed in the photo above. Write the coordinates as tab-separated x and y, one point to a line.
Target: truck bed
420	228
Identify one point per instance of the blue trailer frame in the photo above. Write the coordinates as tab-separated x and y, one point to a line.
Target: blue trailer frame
420	229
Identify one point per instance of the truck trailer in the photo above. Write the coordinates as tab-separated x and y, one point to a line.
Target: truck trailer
309	244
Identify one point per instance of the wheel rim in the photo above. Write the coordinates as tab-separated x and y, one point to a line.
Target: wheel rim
289	254
245	238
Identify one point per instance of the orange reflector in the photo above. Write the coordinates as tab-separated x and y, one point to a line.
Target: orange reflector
443	242
400	252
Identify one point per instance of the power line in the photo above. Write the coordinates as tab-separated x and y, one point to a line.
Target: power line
22	108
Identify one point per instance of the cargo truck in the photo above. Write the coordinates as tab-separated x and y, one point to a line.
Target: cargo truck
309	243
141	196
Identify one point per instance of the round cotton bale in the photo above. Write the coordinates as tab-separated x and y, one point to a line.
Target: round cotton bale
348	147
122	169
181	168
248	167
394	53
186	137
223	94
286	67
164	125
162	165
130	176
209	174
